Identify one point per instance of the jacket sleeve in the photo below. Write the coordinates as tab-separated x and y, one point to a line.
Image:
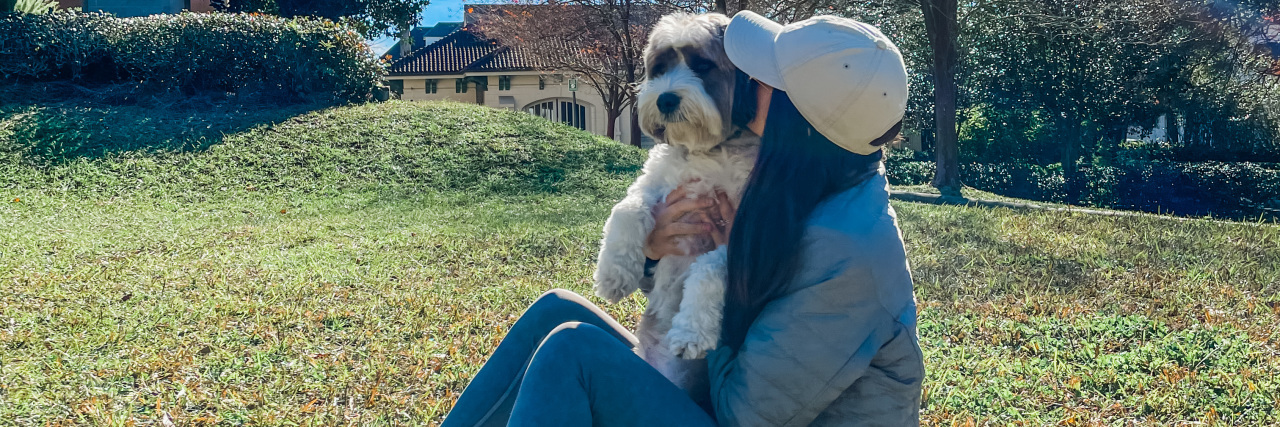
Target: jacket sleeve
806	347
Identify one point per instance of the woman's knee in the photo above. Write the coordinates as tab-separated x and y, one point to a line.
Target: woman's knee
572	337
562	296
557	296
559	303
576	347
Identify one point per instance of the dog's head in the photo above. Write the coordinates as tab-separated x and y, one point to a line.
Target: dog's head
692	95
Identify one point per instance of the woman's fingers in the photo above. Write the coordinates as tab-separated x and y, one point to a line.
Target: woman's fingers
684	229
666	244
702	216
724	224
678	216
683	206
678	194
725	206
719	236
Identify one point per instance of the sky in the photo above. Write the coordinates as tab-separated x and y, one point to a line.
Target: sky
437	11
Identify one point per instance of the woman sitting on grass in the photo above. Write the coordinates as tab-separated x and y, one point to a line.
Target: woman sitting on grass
819	324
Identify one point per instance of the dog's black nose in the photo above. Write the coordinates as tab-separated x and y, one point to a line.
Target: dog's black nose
668	103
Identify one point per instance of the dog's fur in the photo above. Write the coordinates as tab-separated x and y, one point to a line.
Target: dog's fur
704	146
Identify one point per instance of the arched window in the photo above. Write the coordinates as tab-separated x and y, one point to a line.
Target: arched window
563	110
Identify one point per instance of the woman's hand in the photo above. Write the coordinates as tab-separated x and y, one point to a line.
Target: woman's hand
722	218
668	226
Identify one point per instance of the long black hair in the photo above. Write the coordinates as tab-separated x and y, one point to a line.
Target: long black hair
797	169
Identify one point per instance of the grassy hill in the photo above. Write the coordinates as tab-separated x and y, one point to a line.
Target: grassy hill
357	264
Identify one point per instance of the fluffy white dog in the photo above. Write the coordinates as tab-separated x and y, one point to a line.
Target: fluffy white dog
697	104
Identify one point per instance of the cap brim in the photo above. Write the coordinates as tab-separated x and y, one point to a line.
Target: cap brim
749	42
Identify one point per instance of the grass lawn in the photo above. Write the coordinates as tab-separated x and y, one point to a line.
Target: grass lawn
355	266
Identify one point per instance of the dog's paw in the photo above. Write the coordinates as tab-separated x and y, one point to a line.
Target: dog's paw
613	289
689	344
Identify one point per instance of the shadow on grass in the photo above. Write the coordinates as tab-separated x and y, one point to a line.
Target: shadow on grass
960	252
53	123
492	212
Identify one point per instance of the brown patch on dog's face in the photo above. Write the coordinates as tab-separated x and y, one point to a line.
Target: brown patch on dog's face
712	65
659	62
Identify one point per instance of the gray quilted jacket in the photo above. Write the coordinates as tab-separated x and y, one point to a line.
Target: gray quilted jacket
840	346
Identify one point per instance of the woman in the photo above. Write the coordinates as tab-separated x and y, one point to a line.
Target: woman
819	324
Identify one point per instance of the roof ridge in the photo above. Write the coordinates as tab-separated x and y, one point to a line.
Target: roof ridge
452	37
486	58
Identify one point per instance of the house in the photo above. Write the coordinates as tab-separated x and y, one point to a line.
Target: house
127	8
464	66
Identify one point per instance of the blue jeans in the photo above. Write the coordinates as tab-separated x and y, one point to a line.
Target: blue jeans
567	363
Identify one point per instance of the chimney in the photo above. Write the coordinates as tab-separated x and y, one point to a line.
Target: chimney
406	43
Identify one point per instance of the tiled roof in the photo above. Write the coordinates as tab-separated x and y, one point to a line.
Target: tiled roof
458	53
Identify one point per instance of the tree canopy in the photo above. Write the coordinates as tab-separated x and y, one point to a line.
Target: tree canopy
374	18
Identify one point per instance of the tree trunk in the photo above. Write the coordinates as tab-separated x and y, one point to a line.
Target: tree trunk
721	7
627	61
946	150
1071	132
940	24
636	136
1118	134
406	43
612	114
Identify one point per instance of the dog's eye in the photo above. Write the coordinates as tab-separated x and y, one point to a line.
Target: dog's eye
699	65
657	70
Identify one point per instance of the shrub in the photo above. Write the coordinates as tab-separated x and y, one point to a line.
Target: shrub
900	171
190	52
1236	190
35	7
989	134
1020	180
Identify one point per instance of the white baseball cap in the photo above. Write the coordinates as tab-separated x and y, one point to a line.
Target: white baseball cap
844	76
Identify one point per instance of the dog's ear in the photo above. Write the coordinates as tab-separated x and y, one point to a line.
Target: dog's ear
719	23
744	99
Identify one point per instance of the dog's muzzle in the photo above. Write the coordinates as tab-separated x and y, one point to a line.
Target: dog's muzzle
668	104
676	108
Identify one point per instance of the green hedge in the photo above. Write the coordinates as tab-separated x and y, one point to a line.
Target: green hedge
1235	190
189	52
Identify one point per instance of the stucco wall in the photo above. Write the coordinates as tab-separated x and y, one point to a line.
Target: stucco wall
200	6
134	7
524	89
415	90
